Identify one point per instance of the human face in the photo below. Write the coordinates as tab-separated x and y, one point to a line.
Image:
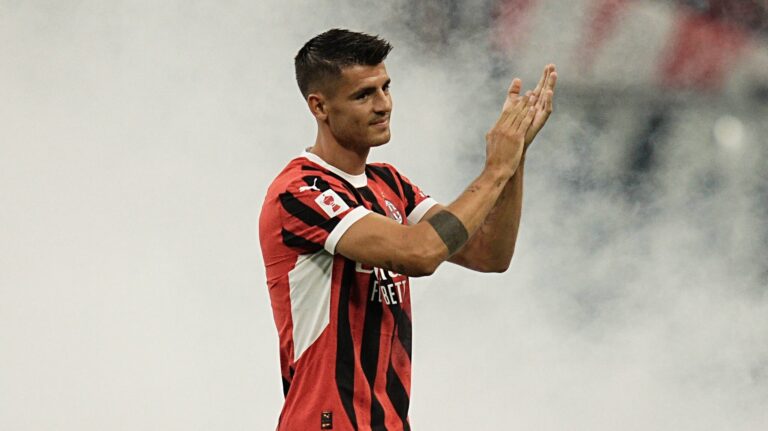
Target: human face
359	110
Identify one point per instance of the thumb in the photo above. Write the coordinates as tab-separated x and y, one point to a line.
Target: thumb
515	87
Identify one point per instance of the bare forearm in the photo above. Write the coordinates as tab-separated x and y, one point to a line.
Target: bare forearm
493	244
460	220
505	152
477	201
492	225
418	250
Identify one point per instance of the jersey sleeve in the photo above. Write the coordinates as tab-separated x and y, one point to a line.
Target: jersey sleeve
316	211
416	202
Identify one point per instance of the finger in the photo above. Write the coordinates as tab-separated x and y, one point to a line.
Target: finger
511	108
529	94
522	103
526	121
517	118
552	80
503	119
549	95
548	86
542	80
513	93
515	87
548	103
548	70
533	102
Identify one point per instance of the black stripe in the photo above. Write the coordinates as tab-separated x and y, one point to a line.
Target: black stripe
346	183
286	386
287	382
312	168
306	214
368	196
395	388
369	352
386	176
410	195
345	351
398	396
323	185
292	240
355	193
404	327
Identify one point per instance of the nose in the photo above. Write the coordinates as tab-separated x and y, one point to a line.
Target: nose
383	102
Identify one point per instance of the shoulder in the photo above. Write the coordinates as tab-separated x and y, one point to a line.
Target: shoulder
382	166
303	188
385	172
301	175
392	176
291	171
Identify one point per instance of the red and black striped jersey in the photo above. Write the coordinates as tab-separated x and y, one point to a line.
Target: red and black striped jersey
344	328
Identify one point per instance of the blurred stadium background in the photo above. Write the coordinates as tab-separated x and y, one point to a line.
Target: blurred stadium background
650	88
137	139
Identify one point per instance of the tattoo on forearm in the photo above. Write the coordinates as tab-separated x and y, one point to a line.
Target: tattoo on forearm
450	229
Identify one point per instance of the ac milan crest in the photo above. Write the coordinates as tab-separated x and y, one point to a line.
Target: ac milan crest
393	212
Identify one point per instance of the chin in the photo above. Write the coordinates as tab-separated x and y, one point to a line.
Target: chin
380	140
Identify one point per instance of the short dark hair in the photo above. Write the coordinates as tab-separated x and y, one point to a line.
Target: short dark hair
323	56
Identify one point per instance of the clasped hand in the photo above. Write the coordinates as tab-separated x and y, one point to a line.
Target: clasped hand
521	119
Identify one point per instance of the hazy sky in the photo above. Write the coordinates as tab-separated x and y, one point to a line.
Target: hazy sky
137	140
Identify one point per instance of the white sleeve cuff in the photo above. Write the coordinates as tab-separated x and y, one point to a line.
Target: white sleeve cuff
348	220
421	209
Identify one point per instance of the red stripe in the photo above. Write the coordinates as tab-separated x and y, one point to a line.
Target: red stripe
402	364
392	420
604	17
511	20
345	371
701	52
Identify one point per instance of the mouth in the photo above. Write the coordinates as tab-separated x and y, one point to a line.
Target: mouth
384	122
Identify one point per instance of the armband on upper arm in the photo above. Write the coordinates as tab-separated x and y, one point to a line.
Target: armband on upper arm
450	229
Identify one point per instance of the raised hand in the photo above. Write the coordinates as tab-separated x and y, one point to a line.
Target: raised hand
544	92
505	141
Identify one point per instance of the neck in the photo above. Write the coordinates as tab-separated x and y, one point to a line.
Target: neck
351	161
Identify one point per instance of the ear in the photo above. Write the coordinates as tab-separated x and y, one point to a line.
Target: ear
318	105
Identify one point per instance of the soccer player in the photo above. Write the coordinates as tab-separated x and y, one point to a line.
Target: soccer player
340	237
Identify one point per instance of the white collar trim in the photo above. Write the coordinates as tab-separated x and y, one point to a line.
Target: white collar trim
357	181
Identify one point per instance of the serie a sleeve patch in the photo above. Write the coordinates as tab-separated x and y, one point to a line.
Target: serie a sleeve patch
331	203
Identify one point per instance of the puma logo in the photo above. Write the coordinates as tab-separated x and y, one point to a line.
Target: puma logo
308	188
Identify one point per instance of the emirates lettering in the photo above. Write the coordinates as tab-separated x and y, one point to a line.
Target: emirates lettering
390	294
381	274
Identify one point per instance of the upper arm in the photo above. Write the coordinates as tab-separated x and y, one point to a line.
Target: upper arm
464	256
379	241
432	211
315	213
412	249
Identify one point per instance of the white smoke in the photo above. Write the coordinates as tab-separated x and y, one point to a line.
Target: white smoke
137	143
